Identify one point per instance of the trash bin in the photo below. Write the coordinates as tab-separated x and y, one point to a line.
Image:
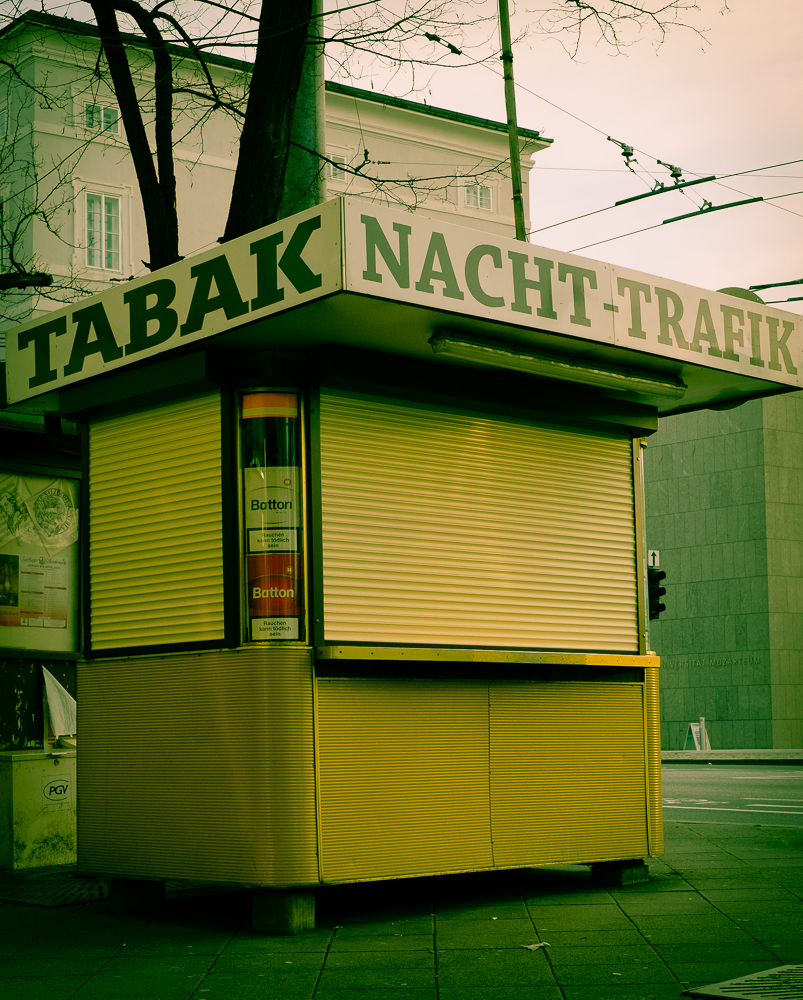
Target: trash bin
37	808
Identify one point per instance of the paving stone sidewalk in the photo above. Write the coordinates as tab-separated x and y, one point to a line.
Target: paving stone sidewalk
725	901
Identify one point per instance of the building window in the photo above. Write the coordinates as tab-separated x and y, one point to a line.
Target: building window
332	170
101	118
478	196
103	232
3	123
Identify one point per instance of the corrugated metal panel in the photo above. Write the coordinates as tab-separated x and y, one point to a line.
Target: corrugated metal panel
199	766
403	777
652	726
445	528
567	772
155	526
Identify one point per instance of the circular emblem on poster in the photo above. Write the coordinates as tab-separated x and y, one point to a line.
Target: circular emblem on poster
54	512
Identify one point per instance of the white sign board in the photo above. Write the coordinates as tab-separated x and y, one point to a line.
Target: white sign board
351	245
453	268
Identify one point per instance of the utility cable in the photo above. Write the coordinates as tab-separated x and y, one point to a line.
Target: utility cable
607	208
692	215
630	150
775	284
772	166
612	238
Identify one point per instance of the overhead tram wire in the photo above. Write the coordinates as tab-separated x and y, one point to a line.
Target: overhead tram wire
582	121
707	207
713	179
660	188
779	284
691	215
663	190
775	284
637	150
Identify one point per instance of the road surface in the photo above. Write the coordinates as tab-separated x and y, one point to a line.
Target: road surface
728	793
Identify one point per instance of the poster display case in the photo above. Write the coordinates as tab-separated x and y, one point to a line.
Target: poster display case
38	563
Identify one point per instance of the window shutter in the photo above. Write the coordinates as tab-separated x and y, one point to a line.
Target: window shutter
450	529
155	526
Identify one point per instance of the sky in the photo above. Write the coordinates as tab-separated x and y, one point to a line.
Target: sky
725	107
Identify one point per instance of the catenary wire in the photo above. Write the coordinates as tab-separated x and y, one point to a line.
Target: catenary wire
608	207
635	148
658	225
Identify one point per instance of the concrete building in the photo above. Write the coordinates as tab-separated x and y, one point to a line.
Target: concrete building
724	498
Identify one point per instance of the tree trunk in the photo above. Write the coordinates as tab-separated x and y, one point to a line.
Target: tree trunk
163	119
265	140
162	230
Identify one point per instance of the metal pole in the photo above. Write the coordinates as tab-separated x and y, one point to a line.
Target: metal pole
512	127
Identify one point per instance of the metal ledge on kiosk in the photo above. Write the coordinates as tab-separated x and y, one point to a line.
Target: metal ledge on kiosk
439	654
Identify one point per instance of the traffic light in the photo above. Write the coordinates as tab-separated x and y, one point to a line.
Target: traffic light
655	591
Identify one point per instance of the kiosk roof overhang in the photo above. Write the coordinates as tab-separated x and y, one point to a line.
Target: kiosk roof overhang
352	273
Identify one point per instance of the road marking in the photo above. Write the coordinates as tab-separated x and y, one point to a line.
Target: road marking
766	805
721	809
696	802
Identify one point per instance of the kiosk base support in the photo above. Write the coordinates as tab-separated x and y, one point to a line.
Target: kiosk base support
282	911
620	872
136	897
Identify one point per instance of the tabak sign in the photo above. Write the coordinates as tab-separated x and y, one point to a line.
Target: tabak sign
283	265
351	245
399	256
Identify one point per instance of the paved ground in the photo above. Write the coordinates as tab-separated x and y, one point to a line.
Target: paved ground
725	901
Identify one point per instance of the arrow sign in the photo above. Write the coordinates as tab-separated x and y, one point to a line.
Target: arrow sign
653	558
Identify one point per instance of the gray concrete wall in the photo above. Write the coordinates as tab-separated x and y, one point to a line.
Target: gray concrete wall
706	513
783	463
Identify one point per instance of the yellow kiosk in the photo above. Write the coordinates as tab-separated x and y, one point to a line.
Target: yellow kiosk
364	588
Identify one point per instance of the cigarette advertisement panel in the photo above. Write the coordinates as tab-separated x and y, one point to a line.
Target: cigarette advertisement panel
38	563
272	515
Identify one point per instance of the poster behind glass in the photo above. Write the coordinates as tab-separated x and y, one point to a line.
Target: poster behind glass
38	563
270	438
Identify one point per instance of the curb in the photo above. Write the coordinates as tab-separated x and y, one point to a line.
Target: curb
785	757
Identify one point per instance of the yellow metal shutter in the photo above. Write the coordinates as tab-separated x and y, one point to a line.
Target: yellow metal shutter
155	526
446	528
568	772
224	792
403	777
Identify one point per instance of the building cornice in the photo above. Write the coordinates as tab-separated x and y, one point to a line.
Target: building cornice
65	25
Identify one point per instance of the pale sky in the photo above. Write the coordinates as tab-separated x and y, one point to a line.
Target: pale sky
727	107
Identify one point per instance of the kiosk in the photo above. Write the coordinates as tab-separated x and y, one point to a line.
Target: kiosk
364	588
